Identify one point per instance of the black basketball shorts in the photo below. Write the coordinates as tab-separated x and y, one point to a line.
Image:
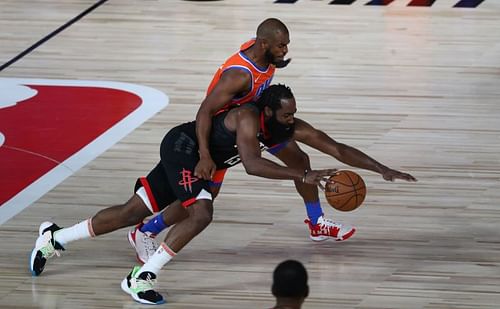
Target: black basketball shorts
173	177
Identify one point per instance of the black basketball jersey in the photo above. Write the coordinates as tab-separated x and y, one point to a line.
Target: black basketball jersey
182	141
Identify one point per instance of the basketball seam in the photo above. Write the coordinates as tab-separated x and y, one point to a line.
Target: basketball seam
354	187
339	194
341	208
335	196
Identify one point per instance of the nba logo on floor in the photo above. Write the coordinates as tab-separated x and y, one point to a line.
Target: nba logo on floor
51	128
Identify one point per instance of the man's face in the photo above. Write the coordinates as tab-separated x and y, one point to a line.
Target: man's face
281	123
277	48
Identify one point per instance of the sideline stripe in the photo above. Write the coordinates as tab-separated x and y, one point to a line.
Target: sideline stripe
421	3
52	34
342	2
380	2
468	3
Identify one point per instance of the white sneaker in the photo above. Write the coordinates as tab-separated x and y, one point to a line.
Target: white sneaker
145	246
140	287
45	247
327	229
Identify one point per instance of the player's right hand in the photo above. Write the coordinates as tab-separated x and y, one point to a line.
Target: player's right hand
315	177
205	169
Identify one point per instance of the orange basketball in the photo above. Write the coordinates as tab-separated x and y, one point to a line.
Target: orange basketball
345	191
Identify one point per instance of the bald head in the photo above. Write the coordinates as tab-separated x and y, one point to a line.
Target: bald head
270	28
272	42
290	280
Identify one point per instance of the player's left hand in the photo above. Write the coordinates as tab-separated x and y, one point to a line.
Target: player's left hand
392	175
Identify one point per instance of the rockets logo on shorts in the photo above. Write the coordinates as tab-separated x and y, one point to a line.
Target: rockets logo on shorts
51	128
187	180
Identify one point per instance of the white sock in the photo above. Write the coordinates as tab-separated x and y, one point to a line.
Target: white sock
161	257
78	231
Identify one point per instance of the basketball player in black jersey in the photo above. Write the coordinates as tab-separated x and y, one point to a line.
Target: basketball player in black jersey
238	135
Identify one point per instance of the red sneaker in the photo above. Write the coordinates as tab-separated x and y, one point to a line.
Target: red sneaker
327	229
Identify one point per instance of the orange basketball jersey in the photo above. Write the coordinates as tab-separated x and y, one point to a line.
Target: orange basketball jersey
261	77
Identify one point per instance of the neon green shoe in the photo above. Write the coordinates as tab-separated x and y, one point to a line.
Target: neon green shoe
140	287
45	247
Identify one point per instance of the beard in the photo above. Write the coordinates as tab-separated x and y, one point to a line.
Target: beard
271	58
279	132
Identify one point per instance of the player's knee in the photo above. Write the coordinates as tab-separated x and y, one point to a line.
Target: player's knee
133	213
203	214
131	216
204	218
300	160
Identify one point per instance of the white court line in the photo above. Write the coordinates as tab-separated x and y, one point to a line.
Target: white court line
153	101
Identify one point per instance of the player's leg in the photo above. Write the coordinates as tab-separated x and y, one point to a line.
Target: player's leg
142	237
178	160
141	280
52	239
197	200
290	154
320	228
176	212
155	193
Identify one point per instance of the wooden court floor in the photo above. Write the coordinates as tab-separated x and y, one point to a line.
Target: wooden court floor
417	88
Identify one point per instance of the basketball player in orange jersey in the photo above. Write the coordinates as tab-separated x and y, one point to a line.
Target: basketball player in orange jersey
241	79
239	135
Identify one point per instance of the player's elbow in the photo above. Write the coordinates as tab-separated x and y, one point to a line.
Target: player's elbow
251	169
208	109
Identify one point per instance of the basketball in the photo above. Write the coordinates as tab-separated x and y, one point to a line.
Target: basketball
345	191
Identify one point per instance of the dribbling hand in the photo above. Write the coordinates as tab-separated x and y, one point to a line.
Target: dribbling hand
315	177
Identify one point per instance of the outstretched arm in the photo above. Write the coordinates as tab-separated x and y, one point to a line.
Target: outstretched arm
307	134
231	83
249	150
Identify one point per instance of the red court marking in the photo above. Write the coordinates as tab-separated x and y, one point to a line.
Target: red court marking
63	122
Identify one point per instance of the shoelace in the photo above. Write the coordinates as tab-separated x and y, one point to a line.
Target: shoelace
328	225
143	285
150	245
48	250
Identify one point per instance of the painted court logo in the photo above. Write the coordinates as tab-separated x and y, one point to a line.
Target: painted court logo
51	128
